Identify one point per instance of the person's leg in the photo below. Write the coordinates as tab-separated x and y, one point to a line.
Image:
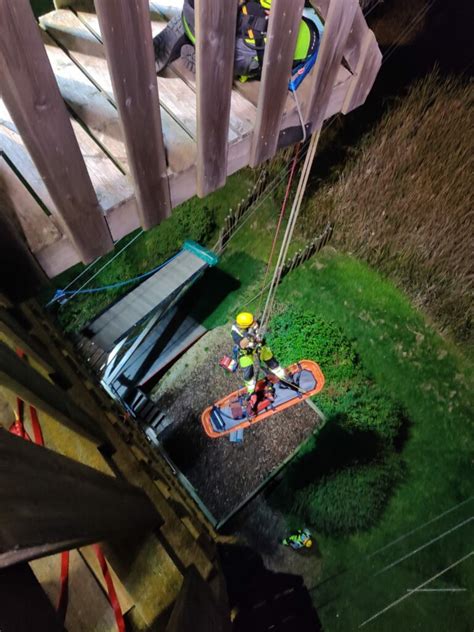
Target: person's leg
250	380
168	43
272	363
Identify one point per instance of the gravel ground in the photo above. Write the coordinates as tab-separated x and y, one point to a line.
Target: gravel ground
222	473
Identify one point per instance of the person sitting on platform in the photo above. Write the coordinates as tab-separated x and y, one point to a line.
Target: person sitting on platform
178	38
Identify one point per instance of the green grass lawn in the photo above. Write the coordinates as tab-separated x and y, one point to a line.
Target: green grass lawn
433	381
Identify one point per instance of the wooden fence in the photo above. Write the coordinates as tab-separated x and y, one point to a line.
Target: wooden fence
308	251
232	220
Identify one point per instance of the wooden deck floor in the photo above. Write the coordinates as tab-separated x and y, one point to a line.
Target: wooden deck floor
76	53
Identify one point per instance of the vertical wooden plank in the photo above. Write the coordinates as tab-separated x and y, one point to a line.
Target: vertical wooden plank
355	40
338	25
366	72
31	94
24	605
285	17
50	503
21	277
215	46
126	31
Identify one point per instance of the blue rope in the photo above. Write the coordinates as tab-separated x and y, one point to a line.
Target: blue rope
62	294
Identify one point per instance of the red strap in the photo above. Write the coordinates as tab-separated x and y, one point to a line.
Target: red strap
35	424
64	591
18	428
114	602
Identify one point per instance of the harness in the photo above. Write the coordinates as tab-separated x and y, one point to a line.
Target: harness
244	333
252	27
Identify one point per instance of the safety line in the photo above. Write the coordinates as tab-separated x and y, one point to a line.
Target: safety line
424	546
414	590
425	524
290	226
280	220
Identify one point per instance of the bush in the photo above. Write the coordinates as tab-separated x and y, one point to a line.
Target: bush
342	480
298	334
350	500
365	406
349	395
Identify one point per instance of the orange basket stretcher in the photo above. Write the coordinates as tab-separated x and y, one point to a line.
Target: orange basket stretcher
219	419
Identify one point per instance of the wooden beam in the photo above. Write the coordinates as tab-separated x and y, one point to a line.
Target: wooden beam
338	25
366	72
215	46
31	94
21	277
285	18
24	605
126	31
25	382
195	609
22	339
49	503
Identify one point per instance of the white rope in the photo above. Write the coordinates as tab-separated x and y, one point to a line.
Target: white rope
290	228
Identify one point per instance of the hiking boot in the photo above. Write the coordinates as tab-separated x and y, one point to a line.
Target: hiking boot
188	55
168	43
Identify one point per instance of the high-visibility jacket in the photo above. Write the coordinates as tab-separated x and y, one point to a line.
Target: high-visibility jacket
252	25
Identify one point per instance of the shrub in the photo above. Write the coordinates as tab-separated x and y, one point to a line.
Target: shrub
342	480
365	406
298	334
349	395
350	500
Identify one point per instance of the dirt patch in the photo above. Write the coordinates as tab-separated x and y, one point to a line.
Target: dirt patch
223	473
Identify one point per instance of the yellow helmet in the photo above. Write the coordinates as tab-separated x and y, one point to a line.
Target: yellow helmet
309	543
244	320
266	4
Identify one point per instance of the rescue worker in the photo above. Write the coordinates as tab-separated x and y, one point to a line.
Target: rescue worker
251	345
178	38
299	540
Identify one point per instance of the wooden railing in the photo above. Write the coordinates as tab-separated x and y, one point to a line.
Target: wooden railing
30	92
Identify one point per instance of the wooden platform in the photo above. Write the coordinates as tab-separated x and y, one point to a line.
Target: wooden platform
75	50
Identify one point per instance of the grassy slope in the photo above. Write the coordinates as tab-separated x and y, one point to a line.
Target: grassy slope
403	202
431	379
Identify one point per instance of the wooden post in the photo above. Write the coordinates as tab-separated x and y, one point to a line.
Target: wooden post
21	276
50	503
215	47
338	25
33	348
24	606
126	31
285	18
25	382
366	71
31	94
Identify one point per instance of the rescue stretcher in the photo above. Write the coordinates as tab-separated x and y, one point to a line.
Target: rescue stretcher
230	413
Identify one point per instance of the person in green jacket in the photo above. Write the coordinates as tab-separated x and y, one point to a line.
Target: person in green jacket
178	38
